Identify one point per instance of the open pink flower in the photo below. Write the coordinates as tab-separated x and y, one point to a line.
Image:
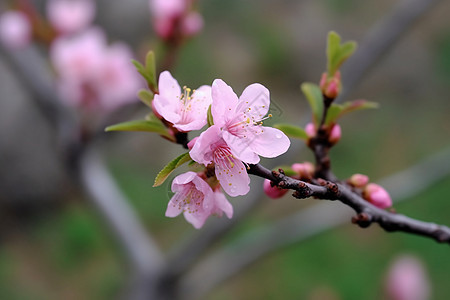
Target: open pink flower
209	148
407	280
195	198
172	17
68	16
15	29
240	122
93	75
185	111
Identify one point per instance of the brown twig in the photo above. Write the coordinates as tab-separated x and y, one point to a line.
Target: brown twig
366	212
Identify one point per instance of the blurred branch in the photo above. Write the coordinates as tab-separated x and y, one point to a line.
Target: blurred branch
381	38
302	225
142	252
32	70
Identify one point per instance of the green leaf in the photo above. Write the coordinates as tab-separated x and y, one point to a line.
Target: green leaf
338	110
146	97
333	43
314	96
170	167
148	71
292	131
210	117
150	68
142	125
337	54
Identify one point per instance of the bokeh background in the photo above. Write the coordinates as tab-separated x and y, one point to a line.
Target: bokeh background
55	245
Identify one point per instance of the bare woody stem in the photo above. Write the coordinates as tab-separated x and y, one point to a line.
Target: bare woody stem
320	145
366	212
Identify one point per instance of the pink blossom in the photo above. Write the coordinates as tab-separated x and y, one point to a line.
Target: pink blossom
68	16
240	122
172	17
185	111
359	180
310	130
335	134
273	192
407	280
209	148
92	74
377	195
195	198
305	170
15	29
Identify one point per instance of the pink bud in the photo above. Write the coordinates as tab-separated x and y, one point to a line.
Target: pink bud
407	280
332	89
68	16
305	170
192	24
273	192
323	81
358	180
15	29
335	134
192	143
310	129
377	195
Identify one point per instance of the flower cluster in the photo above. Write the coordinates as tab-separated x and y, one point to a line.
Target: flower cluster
92	75
236	138
174	19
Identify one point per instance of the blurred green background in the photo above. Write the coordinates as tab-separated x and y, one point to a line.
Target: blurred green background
67	252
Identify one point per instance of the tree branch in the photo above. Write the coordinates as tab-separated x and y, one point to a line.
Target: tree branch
366	212
300	226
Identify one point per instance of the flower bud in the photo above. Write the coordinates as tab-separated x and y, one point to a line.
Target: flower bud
310	130
335	134
192	143
323	81
305	170
331	86
358	180
377	195
273	192
407	280
332	89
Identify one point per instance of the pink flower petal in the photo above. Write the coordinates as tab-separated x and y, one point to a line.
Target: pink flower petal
241	147
233	177
202	152
270	142
224	102
222	205
254	102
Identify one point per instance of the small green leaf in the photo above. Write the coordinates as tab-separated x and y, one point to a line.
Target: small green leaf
148	71
142	125
170	167
314	96
150	68
210	117
146	97
337	54
333	113
338	110
292	131
333	43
